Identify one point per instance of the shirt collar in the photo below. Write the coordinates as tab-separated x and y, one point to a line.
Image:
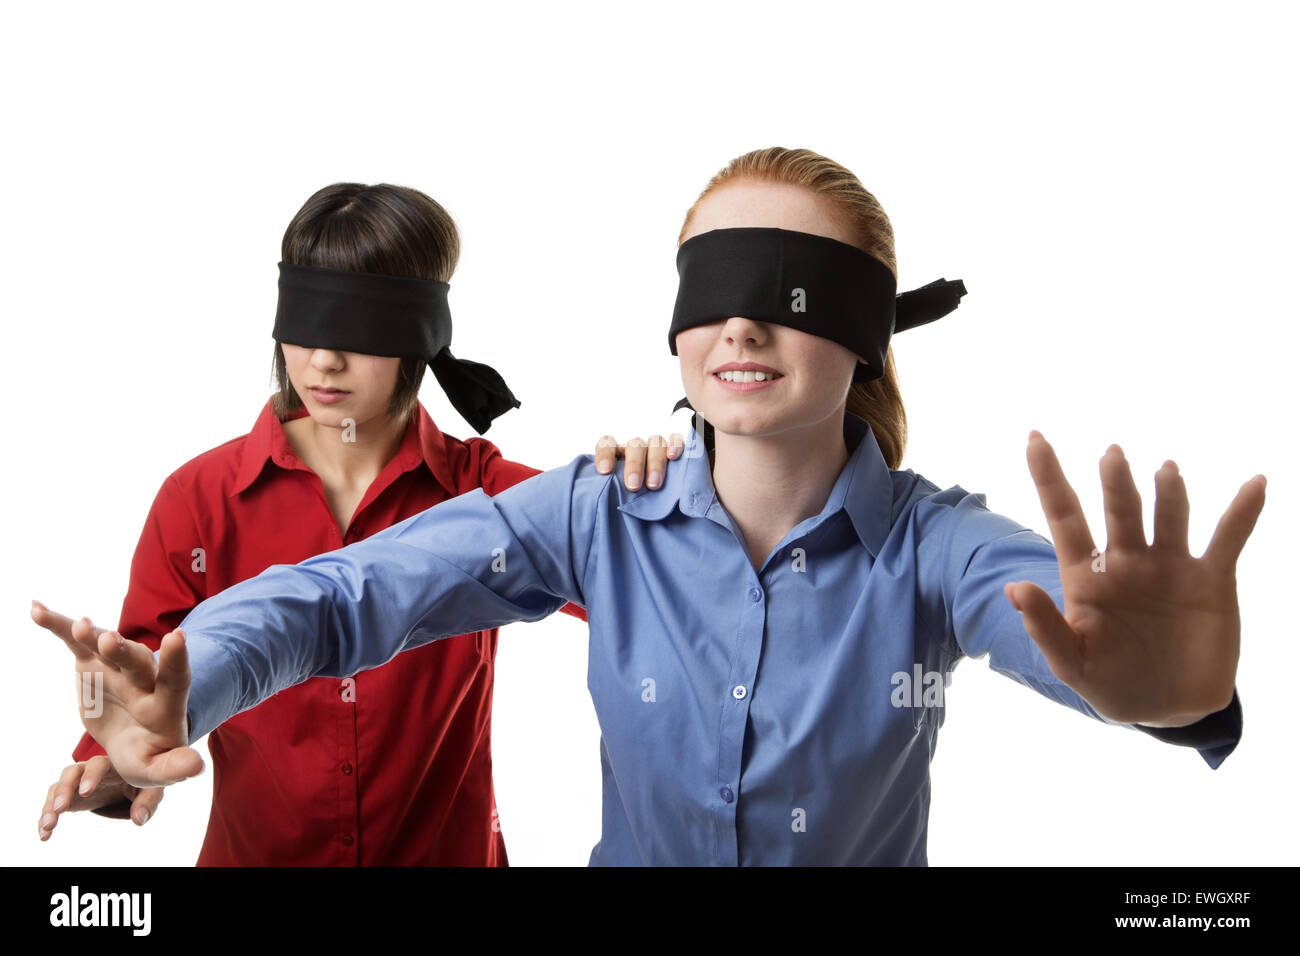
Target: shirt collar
422	442
864	488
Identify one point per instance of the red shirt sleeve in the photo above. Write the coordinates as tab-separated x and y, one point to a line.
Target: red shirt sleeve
499	473
165	584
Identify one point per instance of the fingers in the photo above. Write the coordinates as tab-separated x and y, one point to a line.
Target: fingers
53	622
1050	631
643	460
606	449
78	788
1123	504
1235	526
656	460
93	774
1171	511
86	636
634	454
62	628
658	454
133	659
76	783
145	804
172	684
58	798
1069	528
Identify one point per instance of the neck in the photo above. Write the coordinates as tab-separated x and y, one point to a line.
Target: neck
770	484
354	462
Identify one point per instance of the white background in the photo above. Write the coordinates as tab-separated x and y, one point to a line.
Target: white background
1114	182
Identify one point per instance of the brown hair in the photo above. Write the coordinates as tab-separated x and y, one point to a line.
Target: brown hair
383	229
879	402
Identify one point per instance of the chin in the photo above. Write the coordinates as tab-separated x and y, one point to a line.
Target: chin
750	423
323	415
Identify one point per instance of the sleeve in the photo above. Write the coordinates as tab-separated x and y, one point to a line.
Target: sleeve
469	563
163	587
979	552
497	473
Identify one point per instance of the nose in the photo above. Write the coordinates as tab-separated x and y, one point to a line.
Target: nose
739	329
326	358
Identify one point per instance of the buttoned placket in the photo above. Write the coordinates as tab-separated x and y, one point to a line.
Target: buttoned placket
743	670
346	767
735	693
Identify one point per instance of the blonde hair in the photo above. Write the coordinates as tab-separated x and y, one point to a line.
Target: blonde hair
879	402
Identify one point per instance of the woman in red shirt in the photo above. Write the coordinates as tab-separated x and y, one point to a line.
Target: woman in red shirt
332	772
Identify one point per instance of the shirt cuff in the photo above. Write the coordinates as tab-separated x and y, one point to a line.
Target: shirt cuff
1215	735
213	686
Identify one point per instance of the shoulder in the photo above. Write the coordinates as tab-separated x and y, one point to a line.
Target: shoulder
479	463
962	517
575	480
914	493
209	476
563	505
470	463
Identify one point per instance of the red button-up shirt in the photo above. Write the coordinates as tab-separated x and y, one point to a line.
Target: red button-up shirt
390	767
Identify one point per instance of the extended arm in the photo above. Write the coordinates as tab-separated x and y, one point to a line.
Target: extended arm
469	563
980	552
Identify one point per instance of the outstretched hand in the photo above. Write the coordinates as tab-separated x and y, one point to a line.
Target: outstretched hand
136	709
1150	634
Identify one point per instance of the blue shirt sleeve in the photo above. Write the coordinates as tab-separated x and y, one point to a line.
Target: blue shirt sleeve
978	552
469	563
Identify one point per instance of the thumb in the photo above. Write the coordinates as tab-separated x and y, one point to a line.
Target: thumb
168	767
1049	630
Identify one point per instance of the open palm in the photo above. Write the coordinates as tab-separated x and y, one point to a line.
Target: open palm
1150	634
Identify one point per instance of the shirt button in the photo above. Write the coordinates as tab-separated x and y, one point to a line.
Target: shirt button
738	692
347	839
755	594
346	768
726	794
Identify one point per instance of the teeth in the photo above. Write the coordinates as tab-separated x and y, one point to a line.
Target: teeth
735	376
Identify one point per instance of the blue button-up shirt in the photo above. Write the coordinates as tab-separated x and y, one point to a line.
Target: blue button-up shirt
785	715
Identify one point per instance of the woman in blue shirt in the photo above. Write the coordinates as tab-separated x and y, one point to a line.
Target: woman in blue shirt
770	634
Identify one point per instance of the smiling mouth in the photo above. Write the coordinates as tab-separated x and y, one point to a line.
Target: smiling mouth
738	377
